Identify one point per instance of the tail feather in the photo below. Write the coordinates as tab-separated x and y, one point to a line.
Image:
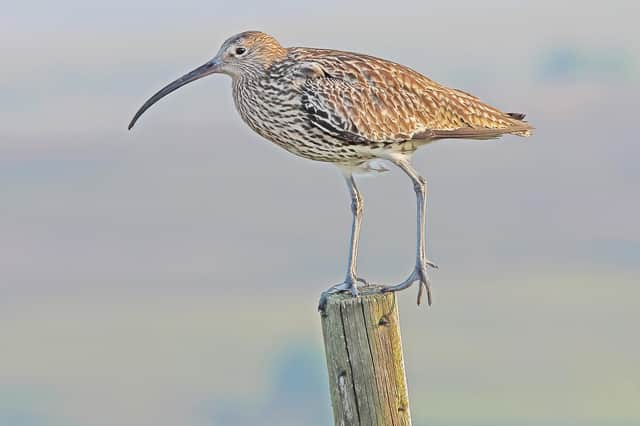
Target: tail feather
517	115
523	129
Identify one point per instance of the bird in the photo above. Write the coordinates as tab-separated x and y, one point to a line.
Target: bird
352	110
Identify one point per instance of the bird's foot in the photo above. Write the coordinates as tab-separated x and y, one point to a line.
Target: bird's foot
419	275
429	263
350	284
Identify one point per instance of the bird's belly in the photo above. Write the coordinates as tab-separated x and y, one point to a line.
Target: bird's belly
290	129
316	145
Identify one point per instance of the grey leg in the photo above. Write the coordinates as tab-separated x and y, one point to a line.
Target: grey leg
356	209
420	271
351	279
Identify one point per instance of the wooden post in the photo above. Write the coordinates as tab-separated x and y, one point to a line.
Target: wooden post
364	359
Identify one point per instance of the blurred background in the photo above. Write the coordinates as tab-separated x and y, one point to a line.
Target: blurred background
169	275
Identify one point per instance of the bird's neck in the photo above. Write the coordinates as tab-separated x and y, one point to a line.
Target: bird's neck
244	82
244	91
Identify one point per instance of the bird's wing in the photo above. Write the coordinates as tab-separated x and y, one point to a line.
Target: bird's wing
349	111
368	100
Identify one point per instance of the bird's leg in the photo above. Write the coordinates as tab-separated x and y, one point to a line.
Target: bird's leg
356	210
351	279
420	271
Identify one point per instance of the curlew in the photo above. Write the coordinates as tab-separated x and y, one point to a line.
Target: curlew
348	109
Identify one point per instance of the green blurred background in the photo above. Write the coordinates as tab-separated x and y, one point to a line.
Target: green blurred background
169	275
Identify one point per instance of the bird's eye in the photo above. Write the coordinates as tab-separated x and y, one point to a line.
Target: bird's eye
240	51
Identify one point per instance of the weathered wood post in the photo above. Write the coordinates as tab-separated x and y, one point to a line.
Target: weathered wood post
364	359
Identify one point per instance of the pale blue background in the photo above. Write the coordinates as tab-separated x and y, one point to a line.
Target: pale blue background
168	276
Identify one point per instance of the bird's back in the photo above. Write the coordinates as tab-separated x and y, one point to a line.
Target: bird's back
369	99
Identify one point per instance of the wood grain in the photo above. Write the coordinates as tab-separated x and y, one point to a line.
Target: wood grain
364	360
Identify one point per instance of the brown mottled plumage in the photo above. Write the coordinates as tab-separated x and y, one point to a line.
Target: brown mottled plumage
348	109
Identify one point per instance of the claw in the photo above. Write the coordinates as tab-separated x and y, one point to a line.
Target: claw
322	303
424	286
419	274
362	281
350	285
431	264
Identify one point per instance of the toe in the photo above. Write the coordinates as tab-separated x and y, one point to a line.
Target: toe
354	291
362	281
429	263
322	303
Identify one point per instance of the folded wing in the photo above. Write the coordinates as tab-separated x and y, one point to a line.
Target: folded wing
368	100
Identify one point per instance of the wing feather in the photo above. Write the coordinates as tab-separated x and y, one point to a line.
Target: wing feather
366	100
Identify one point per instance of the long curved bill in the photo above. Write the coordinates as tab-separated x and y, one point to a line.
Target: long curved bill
202	71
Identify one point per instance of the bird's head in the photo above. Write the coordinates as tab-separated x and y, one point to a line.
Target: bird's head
248	53
243	55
